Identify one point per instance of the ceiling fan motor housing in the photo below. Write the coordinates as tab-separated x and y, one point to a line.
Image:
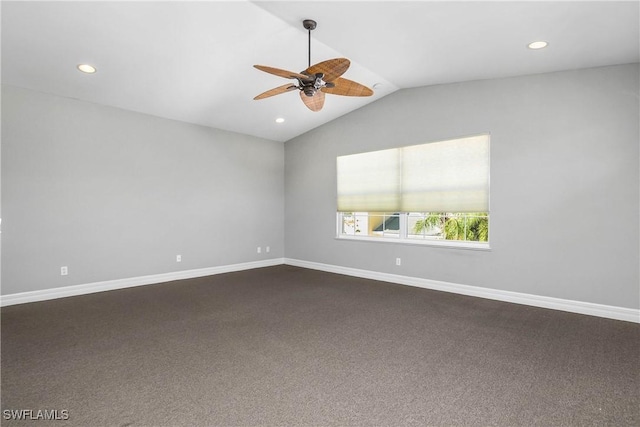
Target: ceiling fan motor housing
312	86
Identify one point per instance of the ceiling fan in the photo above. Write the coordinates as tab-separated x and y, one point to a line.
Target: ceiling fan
316	80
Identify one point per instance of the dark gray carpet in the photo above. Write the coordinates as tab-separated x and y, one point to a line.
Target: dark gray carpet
285	346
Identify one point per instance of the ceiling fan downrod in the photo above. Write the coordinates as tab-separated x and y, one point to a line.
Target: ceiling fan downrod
310	25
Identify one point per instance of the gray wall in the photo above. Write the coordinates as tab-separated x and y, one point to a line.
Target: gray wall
116	194
564	183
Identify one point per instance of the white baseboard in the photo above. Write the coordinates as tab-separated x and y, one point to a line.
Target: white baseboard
68	291
591	309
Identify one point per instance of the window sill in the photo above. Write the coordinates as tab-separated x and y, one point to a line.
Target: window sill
448	244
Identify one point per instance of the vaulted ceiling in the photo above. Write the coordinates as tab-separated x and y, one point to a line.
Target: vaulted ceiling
193	61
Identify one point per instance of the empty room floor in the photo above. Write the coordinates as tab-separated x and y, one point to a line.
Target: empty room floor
290	346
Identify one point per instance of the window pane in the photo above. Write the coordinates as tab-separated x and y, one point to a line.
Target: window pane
361	223
391	226
347	225
447	226
425	225
383	224
473	227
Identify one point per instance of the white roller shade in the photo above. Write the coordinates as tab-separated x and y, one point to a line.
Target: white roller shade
447	176
369	182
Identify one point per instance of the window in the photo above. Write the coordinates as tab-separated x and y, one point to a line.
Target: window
416	226
432	193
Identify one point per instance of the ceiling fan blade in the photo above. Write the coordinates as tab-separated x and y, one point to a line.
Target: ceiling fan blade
315	102
282	73
331	68
276	91
347	87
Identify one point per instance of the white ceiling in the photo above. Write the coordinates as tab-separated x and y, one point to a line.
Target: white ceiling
192	61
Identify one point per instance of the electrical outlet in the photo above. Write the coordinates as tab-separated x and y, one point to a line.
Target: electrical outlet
64	271
178	258
398	261
268	249
259	249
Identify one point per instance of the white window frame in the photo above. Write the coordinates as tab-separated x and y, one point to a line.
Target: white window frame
404	239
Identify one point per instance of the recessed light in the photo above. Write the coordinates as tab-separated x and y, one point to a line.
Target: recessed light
537	45
279	120
86	68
